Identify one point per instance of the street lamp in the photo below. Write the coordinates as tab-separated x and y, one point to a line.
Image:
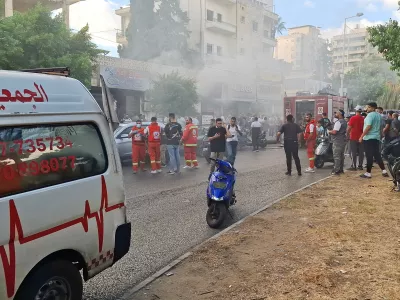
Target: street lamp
344	38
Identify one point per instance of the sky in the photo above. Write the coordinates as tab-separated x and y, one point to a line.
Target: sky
329	15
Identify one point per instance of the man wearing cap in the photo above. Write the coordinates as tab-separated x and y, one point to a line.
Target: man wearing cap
371	138
338	135
354	131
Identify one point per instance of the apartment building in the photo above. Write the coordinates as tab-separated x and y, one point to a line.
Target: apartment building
224	29
23	5
348	52
300	48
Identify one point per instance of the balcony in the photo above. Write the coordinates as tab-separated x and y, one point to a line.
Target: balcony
269	41
24	5
221	27
121	38
123	11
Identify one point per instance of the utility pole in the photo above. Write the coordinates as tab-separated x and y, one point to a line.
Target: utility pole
65	12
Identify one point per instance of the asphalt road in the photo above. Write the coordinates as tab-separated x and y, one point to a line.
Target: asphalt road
168	214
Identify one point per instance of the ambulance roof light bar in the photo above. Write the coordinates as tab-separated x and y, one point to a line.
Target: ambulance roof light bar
59	71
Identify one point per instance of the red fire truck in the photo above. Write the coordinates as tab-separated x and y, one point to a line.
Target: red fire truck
299	106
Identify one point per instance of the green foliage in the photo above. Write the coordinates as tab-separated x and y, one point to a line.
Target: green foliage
37	40
367	82
154	31
324	62
280	26
173	93
390	98
387	40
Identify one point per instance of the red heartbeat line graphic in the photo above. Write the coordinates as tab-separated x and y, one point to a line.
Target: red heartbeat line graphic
17	233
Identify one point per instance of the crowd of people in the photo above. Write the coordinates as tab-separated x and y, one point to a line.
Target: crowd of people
363	134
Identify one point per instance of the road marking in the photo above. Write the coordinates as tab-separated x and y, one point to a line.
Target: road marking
129	294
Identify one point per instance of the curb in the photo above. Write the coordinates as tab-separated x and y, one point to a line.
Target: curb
129	294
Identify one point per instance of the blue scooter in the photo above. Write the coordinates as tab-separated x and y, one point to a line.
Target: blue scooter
220	193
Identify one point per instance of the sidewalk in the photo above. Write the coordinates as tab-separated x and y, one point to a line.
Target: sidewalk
339	239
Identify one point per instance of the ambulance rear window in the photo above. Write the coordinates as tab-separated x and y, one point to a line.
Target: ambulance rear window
34	157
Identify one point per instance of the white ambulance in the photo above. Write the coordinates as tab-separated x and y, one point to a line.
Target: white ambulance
62	201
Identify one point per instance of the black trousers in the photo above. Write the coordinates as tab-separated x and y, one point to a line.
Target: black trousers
357	149
292	151
372	151
254	139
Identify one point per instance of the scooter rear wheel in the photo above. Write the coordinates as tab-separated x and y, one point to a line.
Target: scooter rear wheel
216	214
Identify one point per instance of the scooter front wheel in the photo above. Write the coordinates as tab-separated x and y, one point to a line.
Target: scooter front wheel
216	214
319	162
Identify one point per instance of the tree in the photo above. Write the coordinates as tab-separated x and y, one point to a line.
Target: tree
367	82
387	40
280	26
390	97
173	93
324	62
153	31
37	40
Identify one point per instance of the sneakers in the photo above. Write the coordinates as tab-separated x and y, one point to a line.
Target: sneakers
171	172
187	167
159	171
299	174
288	173
366	175
335	173
352	169
385	173
309	170
360	168
153	172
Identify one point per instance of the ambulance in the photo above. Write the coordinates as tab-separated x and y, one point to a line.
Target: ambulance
62	201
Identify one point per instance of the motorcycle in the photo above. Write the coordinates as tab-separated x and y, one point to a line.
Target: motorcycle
391	154
220	193
323	152
262	140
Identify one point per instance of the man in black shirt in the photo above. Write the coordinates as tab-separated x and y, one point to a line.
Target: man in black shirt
291	132
173	133
217	137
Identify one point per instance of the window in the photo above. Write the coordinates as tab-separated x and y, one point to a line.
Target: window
219	18
219	50
34	157
210	15
241	51
255	26
209	49
242	19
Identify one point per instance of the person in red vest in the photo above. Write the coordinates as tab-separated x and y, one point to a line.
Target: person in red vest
138	147
153	132
189	140
310	137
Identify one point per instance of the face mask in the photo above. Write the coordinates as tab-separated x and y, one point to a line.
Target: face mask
138	125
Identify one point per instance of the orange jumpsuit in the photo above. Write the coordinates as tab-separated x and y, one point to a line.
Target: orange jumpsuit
311	138
189	139
138	149
154	138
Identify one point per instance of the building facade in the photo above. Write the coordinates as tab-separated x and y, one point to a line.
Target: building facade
23	5
348	52
224	29
300	48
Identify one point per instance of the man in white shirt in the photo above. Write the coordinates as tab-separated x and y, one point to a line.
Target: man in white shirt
255	133
233	141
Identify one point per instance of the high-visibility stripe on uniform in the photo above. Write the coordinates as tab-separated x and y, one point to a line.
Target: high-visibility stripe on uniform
153	161
312	158
135	164
190	145
158	162
189	161
193	127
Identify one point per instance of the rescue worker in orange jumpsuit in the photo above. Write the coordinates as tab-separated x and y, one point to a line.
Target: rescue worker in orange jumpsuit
310	137
189	140
138	147
153	132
